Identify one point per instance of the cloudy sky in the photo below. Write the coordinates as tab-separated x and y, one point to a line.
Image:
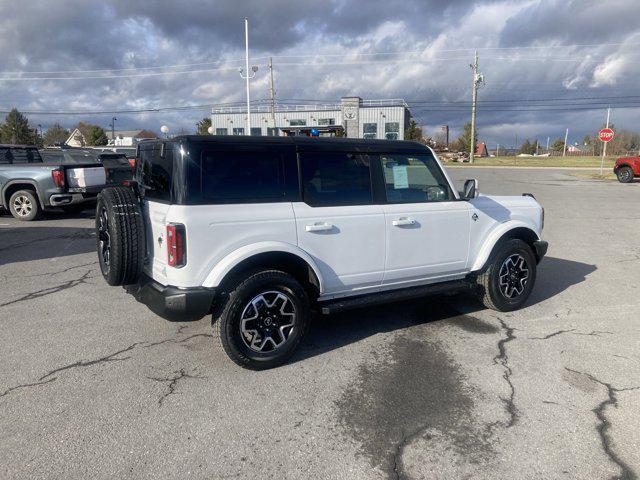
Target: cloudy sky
545	63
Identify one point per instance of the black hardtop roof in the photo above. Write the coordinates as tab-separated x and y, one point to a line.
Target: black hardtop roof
317	142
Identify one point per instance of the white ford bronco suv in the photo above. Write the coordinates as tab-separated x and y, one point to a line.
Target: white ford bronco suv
262	231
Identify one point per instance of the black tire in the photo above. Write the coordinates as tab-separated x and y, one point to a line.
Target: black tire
625	174
23	205
120	236
506	261
228	326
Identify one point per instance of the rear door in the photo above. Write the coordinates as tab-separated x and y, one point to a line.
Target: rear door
338	223
157	170
427	228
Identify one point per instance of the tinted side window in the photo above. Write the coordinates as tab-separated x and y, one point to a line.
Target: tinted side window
333	179
157	171
233	177
414	178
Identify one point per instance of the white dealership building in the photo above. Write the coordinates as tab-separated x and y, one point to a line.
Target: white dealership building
352	117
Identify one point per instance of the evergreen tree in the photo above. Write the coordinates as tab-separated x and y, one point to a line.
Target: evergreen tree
464	140
413	132
15	129
97	136
203	126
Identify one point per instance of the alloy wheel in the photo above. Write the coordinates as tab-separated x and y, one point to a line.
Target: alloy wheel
104	240
513	276
267	321
22	205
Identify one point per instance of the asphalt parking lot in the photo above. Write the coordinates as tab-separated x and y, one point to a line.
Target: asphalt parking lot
93	385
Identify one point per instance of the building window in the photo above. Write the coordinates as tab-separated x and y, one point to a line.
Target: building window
297	122
222	131
256	131
370	130
332	179
391	130
326	121
238	131
273	131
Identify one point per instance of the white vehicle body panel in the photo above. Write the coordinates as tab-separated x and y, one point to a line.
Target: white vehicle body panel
215	232
347	244
426	240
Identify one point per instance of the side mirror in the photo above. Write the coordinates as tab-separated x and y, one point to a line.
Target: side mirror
470	190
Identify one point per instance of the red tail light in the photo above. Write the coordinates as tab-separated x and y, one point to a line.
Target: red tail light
132	162
58	178
176	245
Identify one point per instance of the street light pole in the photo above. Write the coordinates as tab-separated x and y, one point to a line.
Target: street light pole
247	75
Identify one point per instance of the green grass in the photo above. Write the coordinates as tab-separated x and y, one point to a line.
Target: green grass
540	162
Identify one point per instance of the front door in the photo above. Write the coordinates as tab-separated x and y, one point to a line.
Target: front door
337	222
427	228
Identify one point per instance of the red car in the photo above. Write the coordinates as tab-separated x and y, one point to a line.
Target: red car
626	168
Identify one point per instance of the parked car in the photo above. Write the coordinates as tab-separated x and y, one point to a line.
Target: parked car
30	185
626	168
261	231
118	168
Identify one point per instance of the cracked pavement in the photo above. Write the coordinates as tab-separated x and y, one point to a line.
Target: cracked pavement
92	384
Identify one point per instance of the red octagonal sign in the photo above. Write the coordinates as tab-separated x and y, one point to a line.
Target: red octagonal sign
606	134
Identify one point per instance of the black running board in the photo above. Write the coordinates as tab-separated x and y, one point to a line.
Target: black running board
332	306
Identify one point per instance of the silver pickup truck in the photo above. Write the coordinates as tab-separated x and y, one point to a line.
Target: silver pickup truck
29	185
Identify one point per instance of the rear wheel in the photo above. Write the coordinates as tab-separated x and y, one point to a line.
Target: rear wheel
120	236
24	206
264	320
509	279
625	174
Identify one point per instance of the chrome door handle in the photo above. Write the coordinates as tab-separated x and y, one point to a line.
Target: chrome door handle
403	221
319	227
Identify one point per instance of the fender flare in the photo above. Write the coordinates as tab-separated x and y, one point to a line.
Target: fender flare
233	259
494	237
20	181
619	166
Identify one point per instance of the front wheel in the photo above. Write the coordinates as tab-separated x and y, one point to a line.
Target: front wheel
265	318
509	279
625	174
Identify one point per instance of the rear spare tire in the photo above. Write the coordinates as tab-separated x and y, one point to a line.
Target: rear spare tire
120	236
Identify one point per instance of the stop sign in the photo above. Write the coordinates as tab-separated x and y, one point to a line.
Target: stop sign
606	134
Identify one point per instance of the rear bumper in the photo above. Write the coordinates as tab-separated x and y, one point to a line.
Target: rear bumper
173	303
541	249
62	199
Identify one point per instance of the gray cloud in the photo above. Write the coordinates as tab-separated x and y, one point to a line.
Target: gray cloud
78	35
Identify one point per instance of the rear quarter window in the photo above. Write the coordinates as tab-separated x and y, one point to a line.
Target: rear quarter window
156	171
242	177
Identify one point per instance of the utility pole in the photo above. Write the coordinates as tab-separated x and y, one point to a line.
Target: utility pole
478	79
566	136
548	144
604	147
113	130
272	94
247	75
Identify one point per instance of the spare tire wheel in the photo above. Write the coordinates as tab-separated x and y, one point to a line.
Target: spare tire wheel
120	236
